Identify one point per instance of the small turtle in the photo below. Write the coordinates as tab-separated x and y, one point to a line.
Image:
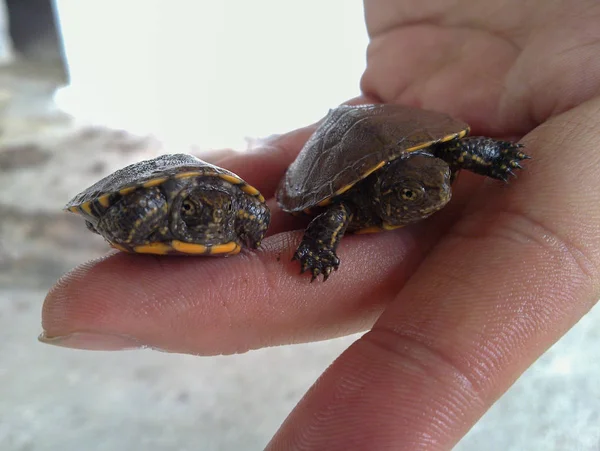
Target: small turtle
174	204
370	168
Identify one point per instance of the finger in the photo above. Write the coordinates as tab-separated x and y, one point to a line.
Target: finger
229	305
264	165
516	272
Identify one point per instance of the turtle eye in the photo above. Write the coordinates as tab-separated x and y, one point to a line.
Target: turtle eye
408	194
188	208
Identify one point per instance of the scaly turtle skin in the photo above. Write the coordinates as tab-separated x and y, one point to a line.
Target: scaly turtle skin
370	168
174	204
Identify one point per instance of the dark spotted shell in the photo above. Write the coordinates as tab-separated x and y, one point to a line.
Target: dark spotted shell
149	173
354	141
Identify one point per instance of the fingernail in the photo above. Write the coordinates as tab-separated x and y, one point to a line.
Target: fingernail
92	341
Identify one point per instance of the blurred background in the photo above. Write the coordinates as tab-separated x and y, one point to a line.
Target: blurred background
87	87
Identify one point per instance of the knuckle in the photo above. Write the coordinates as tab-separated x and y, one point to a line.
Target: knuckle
517	228
430	366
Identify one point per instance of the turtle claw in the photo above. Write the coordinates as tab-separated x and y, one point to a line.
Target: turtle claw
508	158
318	259
303	268
315	274
486	156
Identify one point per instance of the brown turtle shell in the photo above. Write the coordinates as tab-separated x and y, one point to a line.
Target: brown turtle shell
354	141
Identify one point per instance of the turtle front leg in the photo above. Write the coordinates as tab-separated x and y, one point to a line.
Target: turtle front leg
485	156
134	218
316	252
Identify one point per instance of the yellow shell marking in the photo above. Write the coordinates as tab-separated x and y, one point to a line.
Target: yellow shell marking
458	135
73	209
390	226
343	189
373	229
228	178
126	191
153	248
188	248
154	182
376	229
232	179
87	208
379	166
228	248
253	192
184	175
250	190
103	200
419	147
366	174
118	247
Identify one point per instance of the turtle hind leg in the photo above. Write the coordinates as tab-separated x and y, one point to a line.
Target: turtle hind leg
316	252
485	156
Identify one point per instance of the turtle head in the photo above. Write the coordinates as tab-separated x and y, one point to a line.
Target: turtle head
214	211
204	213
412	188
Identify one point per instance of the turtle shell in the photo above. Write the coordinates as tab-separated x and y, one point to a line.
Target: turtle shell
352	142
147	174
92	202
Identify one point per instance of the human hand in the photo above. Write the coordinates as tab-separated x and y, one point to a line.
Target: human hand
458	305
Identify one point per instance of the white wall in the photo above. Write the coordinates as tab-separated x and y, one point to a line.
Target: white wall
210	72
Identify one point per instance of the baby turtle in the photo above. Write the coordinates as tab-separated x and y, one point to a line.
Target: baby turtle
370	168
174	204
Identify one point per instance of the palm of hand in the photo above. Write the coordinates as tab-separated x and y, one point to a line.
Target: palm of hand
504	67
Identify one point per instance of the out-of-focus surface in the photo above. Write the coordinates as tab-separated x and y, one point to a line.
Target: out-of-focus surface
218	70
59	399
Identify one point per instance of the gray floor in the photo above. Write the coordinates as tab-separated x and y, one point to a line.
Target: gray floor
59	399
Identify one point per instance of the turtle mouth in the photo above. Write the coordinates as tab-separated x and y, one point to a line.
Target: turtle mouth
444	198
431	210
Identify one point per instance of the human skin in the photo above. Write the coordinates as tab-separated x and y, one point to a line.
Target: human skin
458	306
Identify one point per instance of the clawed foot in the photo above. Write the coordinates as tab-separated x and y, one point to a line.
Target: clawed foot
317	259
485	156
510	155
